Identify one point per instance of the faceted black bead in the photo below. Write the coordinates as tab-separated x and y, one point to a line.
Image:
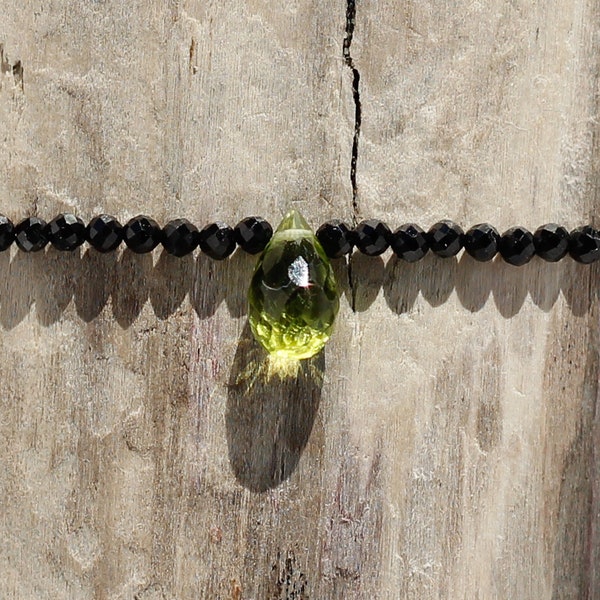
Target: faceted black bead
584	244
445	238
253	234
179	237
104	233
66	232
551	242
7	233
372	237
142	234
335	237
481	242
217	240
409	242
31	235
516	246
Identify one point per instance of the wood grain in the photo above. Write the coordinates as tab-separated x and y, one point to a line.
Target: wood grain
447	442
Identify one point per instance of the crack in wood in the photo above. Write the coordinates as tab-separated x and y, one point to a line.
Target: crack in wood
349	34
15	69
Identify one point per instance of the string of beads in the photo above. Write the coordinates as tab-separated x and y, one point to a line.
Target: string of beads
517	246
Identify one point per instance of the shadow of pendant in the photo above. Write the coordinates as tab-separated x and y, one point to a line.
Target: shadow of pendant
271	410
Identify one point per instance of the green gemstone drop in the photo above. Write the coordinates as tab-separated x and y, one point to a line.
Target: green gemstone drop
293	295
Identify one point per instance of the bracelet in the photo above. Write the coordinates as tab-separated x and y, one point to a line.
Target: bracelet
293	298
372	237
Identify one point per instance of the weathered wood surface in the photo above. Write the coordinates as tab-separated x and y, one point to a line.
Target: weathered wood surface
446	445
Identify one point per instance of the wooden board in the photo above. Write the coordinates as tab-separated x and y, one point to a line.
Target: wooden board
445	445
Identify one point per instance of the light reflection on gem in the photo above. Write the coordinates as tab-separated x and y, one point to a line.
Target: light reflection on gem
298	272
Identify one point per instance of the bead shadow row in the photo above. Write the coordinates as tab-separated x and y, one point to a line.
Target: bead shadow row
372	237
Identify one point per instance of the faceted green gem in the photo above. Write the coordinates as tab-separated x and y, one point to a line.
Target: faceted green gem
293	295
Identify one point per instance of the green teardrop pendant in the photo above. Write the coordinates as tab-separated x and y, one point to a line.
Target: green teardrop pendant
293	295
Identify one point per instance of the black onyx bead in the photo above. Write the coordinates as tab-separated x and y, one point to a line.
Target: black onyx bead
335	238
409	242
372	237
142	234
253	234
179	237
7	233
551	242
584	244
66	232
217	240
104	233
31	235
516	246
445	238
481	242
